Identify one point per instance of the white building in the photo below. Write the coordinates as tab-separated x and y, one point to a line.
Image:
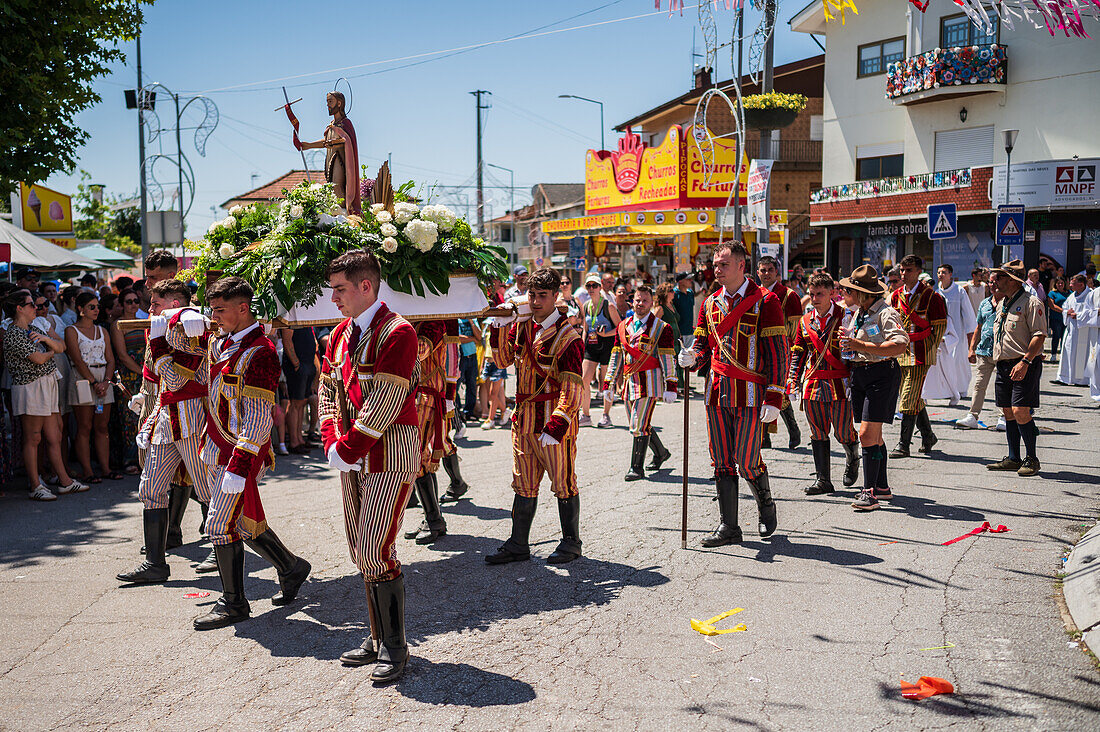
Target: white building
914	107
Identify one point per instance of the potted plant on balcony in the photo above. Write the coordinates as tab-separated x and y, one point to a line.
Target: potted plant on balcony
773	110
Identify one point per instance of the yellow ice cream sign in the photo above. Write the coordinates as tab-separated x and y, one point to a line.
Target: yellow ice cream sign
45	210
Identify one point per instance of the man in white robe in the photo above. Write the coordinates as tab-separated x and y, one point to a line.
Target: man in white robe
1090	341
1076	312
950	377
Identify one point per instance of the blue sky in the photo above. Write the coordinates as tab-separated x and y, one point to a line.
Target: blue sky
422	114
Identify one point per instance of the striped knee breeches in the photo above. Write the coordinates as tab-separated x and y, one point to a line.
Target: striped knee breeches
530	460
641	414
161	464
735	434
374	504
912	384
835	414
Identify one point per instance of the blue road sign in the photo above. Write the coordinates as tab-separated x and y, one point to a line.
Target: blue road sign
942	221
1010	226
576	247
579	264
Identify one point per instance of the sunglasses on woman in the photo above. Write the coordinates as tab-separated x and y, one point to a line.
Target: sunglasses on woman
130	302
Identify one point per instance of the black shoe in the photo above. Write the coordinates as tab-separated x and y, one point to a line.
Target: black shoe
766	440
569	512
761	490
292	570
908	421
793	432
231	607
660	453
210	564
928	440
154	569
1030	466
1005	463
389	598
177	505
413	533
851	464
822	483
637	457
458	487
517	548
434	525
364	655
728	532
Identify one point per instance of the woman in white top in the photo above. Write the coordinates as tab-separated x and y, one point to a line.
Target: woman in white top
90	392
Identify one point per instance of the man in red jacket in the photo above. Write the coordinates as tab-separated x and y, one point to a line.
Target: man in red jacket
369	424
741	333
767	271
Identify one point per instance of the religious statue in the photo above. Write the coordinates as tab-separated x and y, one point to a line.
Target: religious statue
341	154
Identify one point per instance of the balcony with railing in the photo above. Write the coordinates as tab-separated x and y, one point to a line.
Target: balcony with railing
947	73
803	153
924	182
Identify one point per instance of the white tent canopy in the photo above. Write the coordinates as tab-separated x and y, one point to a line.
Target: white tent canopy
28	250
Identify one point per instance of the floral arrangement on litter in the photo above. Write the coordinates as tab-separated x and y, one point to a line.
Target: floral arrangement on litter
942	67
283	249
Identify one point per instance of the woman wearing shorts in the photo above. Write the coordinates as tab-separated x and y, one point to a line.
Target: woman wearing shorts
299	353
871	342
600	320
34	394
493	381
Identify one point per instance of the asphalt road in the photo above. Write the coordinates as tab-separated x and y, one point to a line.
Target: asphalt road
839	606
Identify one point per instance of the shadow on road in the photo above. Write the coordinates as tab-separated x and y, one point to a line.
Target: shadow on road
460	684
781	546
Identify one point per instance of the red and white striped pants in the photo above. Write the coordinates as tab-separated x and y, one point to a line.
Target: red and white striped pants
161	464
374	504
530	460
836	413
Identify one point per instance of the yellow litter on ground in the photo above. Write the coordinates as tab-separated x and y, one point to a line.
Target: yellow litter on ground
707	627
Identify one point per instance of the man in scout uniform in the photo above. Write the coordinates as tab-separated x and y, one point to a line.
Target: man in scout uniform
819	371
924	316
242	376
1019	330
642	356
172	435
767	271
370	429
547	354
431	409
741	334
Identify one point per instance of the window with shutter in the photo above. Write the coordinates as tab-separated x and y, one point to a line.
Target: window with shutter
967	148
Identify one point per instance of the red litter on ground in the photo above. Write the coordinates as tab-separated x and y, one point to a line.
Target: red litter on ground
925	687
195	595
998	529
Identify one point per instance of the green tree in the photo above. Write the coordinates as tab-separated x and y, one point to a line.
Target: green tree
51	54
95	220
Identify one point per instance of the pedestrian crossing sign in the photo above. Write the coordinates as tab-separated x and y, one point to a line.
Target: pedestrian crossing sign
942	221
1010	225
1009	228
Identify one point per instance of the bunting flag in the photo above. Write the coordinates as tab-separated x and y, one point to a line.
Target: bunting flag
293	123
999	529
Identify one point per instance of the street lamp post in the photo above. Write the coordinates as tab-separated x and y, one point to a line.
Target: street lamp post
511	202
603	146
1010	142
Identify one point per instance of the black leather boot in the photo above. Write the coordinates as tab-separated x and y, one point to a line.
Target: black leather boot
793	432
728	532
231	607
762	492
517	548
908	421
569	548
154	569
928	439
205	508
292	570
458	487
851	463
210	564
637	457
766	439
177	505
660	452
434	525
389	598
823	483
366	653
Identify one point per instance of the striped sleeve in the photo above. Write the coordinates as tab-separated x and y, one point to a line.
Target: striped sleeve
666	348
572	391
254	419
774	352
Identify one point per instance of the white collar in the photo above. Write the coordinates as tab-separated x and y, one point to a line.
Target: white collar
913	289
641	320
772	288
365	318
240	334
550	320
740	290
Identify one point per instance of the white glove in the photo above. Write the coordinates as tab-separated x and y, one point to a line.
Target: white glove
142	440
134	405
232	483
607	395
448	406
545	439
686	359
158	325
670	397
335	461
769	413
193	322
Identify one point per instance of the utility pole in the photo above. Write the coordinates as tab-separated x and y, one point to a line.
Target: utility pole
763	235
480	164
141	157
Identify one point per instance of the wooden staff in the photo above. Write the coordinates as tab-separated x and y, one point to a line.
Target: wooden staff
687	342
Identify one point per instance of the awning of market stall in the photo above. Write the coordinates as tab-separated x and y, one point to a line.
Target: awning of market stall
109	257
33	251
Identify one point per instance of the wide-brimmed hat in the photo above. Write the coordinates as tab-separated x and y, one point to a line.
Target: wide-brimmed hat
864	279
1014	269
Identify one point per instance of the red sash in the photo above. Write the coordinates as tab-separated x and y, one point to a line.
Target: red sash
733	371
642	361
191	390
914	319
734	316
837	368
730	370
